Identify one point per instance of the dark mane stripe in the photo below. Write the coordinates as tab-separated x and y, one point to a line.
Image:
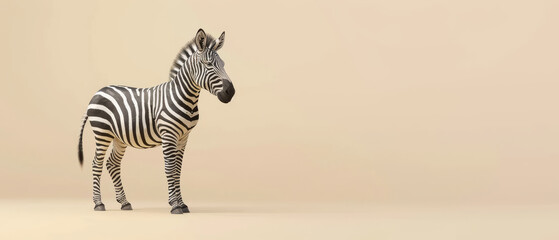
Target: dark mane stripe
185	53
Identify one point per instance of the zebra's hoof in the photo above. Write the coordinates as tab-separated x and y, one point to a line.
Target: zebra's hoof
127	206
185	209
99	207
176	210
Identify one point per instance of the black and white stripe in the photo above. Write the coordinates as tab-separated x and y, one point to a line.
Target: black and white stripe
161	115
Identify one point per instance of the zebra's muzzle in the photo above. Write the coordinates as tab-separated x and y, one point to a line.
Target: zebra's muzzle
227	92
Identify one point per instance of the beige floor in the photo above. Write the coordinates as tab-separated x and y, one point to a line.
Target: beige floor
71	219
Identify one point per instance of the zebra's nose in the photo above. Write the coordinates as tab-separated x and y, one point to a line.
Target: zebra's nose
227	92
230	91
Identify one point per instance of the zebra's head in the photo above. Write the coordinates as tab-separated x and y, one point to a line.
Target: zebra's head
208	71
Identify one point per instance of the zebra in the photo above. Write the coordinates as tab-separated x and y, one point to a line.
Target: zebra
161	115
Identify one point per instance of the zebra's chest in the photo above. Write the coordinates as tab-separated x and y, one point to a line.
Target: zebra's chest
189	119
183	121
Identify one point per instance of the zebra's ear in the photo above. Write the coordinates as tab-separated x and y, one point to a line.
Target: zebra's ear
219	42
200	40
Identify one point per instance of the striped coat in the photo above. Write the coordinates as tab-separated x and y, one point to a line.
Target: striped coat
161	115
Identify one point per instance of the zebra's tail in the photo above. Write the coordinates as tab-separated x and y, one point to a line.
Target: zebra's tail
80	148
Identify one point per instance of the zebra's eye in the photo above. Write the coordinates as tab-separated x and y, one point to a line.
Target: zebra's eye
207	61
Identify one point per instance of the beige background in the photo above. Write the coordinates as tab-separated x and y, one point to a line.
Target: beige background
361	101
357	102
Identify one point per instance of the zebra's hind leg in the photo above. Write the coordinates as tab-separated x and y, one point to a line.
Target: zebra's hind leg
102	144
113	166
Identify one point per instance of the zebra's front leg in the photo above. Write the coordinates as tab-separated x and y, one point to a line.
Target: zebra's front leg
180	153
170	152
113	166
97	169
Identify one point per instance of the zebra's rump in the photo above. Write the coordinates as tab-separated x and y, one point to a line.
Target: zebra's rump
124	113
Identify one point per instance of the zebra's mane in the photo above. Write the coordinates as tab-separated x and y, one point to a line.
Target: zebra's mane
185	53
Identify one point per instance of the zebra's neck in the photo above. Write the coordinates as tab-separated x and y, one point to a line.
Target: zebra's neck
186	88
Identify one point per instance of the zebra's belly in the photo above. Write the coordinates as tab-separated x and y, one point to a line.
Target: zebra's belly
142	143
134	132
138	137
143	137
137	133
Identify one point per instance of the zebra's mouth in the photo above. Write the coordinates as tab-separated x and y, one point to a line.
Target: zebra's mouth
224	98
